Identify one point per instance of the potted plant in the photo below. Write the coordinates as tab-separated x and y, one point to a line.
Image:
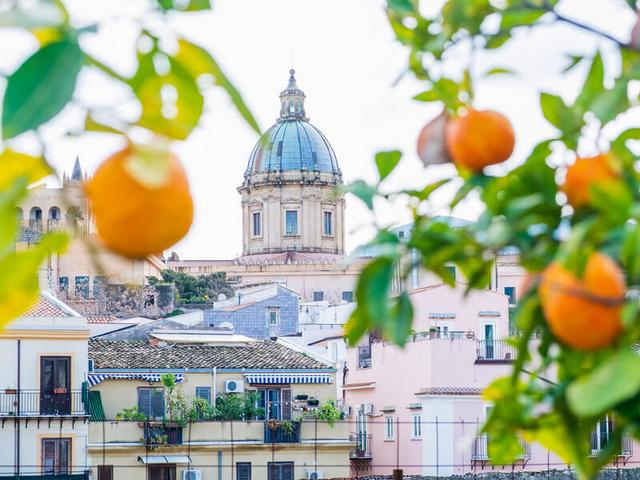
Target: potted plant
60	390
313	402
302	397
288	428
10	391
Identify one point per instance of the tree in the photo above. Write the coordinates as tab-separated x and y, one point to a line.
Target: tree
45	83
575	236
203	288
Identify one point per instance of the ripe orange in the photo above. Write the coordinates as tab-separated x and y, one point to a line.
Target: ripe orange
585	314
479	138
585	173
136	218
431	145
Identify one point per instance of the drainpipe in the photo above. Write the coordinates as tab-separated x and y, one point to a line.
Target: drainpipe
215	385
17	421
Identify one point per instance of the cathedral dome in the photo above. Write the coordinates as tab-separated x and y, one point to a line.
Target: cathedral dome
292	144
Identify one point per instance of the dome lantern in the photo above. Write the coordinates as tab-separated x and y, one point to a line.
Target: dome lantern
292	100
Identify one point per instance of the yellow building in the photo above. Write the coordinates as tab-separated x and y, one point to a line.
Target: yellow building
277	439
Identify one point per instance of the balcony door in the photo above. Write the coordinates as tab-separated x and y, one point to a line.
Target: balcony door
276	403
55	385
162	472
56	455
488	341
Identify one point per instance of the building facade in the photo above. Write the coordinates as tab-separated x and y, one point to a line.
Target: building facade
277	441
43	404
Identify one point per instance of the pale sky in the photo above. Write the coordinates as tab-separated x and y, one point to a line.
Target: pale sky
346	60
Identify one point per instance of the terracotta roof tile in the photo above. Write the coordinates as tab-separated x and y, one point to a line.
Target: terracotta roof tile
44	308
100	319
450	391
261	354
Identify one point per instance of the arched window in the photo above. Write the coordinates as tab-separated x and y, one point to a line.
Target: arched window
19	214
35	218
54	213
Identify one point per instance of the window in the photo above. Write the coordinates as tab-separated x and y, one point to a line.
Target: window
55	385
243	470
280	471
347	296
416	430
204	392
161	472
105	472
257	224
82	286
389	433
400	234
63	283
318	296
151	402
511	293
273	314
452	270
328	224
56	453
291	222
275	402
98	285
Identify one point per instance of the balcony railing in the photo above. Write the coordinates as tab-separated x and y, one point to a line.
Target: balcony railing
159	435
495	351
36	402
47	476
286	431
363	445
480	449
598	441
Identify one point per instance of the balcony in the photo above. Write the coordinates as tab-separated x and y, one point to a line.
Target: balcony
156	435
598	441
286	431
48	476
495	351
37	403
362	450
480	449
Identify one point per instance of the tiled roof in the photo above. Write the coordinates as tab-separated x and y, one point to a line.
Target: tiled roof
450	391
263	354
100	319
44	308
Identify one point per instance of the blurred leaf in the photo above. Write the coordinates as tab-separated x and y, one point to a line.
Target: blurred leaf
398	325
386	162
564	118
593	83
609	103
401	7
426	192
184	5
40	87
41	13
14	165
20	290
499	71
149	164
574	60
92	125
465	15
555	438
615	379
171	103
199	61
363	191
518	18
613	199
504	447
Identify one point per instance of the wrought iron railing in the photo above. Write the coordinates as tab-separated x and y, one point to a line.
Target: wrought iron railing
284	431
47	476
159	435
495	350
363	445
598	441
36	402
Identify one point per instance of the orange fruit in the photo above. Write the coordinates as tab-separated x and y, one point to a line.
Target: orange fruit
585	173
431	145
135	217
479	138
585	314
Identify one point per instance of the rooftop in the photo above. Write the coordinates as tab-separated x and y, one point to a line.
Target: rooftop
261	354
49	306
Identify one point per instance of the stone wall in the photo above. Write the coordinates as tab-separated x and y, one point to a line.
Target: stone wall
609	474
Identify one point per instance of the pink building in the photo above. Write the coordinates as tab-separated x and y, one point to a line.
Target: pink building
420	408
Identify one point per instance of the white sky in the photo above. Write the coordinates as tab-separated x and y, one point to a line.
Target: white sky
346	60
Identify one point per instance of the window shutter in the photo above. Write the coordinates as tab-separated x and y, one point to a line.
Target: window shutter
286	403
144	405
105	472
157	403
287	471
243	470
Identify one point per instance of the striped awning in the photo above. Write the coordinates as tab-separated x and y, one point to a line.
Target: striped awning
96	378
278	378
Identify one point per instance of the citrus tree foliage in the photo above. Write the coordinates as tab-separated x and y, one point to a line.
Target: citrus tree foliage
192	289
167	90
525	209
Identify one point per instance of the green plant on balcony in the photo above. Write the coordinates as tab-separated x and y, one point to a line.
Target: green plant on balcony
328	413
288	428
231	406
153	440
131	414
202	410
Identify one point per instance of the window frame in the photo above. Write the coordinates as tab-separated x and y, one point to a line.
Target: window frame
164	406
58	469
350	299
319	294
295	211
327	214
104	472
512	296
280	467
270	311
203	388
246	465
416	426
389	428
256	214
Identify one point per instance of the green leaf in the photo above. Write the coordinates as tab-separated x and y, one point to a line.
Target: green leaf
593	83
401	7
386	162
609	103
398	326
574	60
499	71
614	380
199	61
518	18
565	119
41	87
188	6
92	125
363	191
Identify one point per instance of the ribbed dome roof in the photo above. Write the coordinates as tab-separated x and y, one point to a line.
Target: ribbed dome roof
292	143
